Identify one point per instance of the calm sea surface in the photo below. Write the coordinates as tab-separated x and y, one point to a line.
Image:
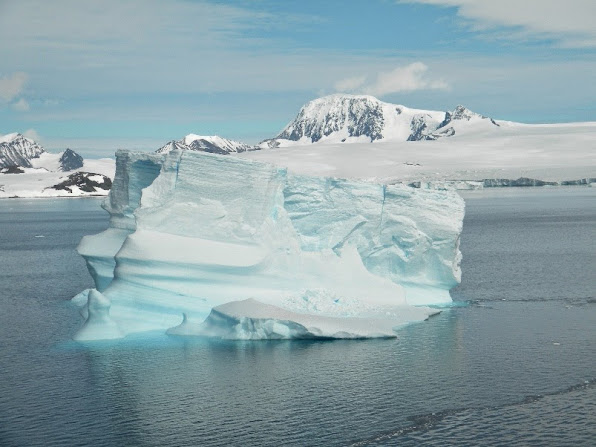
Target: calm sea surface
513	364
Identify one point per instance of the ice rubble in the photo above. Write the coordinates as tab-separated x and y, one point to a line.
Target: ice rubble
246	250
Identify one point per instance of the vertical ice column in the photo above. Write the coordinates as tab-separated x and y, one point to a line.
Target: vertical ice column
134	173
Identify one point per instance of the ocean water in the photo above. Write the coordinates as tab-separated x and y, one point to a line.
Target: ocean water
514	363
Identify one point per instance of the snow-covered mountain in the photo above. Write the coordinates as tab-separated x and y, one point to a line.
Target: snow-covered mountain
344	118
28	170
200	143
17	150
360	118
506	154
392	143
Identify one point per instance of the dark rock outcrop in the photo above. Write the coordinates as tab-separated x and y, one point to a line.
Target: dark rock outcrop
522	181
85	181
12	170
70	160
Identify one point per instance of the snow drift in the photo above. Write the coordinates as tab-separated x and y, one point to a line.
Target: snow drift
244	249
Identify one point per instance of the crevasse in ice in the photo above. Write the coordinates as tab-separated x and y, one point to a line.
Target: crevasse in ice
202	244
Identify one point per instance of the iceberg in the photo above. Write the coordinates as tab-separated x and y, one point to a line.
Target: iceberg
211	245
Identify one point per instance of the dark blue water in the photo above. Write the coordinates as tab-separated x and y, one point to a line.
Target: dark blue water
516	366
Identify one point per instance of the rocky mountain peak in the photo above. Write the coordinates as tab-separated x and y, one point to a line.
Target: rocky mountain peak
18	150
70	160
461	113
213	144
351	115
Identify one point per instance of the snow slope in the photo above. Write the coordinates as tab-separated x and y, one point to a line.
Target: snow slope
45	173
551	152
212	144
16	150
27	170
345	118
191	231
361	137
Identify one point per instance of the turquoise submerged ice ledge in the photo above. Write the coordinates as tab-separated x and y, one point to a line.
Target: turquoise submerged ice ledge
202	244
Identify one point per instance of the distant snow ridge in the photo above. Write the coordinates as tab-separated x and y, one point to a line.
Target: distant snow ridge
343	118
361	118
211	144
17	150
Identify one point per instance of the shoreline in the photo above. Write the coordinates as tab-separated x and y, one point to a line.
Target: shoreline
466	185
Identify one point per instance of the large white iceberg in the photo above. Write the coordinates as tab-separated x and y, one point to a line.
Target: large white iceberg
203	244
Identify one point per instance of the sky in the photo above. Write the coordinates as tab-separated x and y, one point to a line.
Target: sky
100	75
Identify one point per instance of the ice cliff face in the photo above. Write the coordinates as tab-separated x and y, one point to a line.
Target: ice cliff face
359	118
211	144
16	150
257	252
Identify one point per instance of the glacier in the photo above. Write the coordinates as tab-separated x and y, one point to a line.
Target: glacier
212	245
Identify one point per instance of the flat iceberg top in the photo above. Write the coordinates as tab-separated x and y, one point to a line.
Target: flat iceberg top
224	239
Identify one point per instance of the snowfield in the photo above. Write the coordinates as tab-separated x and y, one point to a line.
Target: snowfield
550	152
38	180
27	170
360	137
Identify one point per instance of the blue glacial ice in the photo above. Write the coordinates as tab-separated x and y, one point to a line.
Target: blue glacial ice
202	244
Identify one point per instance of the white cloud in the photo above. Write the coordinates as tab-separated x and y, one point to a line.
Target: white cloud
350	84
11	86
570	22
136	46
21	105
154	60
405	79
32	134
408	78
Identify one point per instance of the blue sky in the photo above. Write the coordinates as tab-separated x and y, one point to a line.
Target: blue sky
96	76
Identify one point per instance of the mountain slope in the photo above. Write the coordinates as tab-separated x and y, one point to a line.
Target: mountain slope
17	150
27	170
360	118
212	144
479	151
345	118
